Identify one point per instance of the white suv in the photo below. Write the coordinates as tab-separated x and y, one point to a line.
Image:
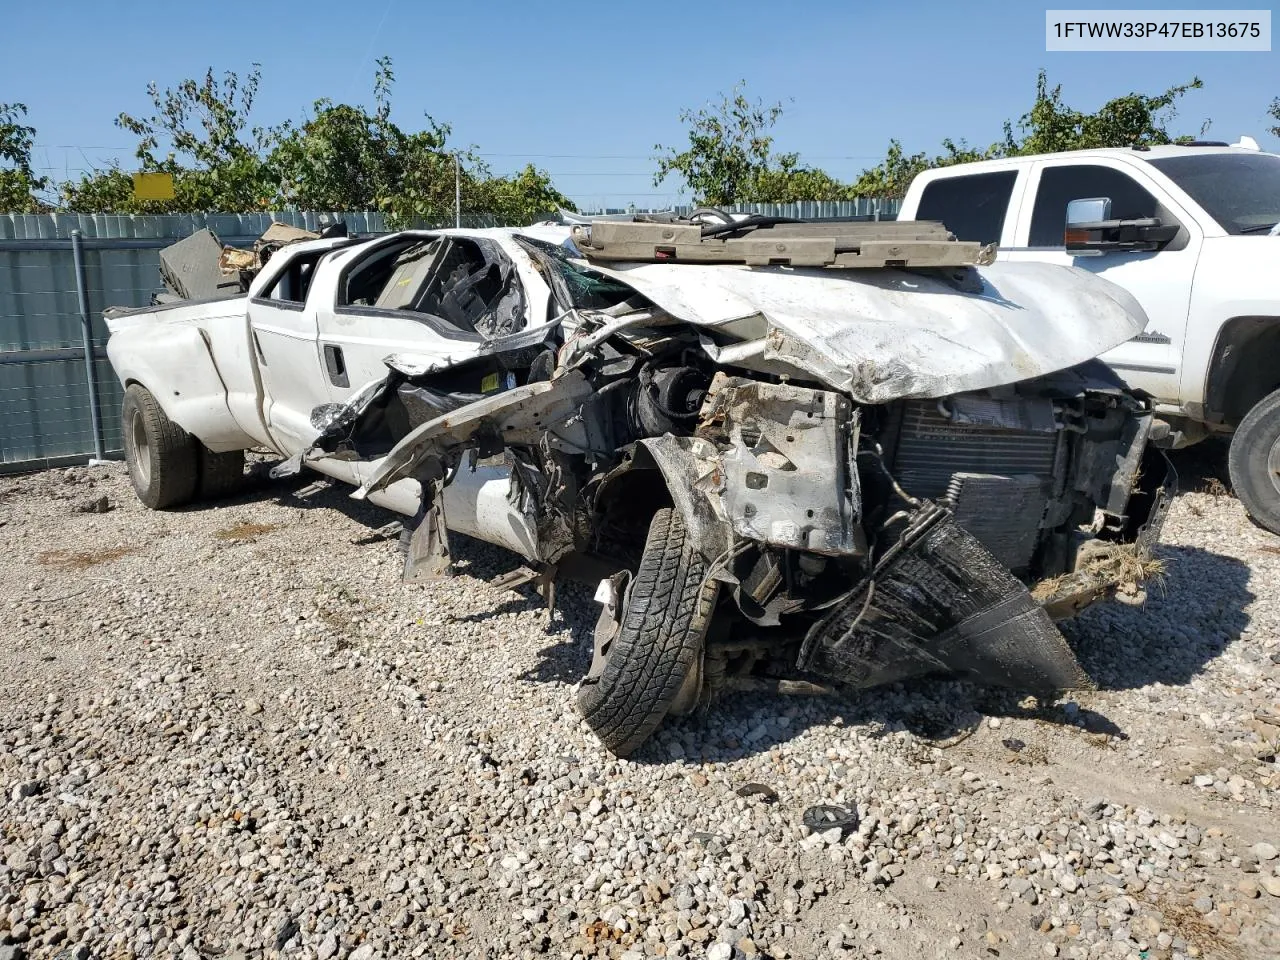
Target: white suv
1191	231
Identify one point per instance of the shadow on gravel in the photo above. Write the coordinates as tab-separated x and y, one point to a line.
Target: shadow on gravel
336	496
936	712
1197	614
1186	622
567	659
1203	467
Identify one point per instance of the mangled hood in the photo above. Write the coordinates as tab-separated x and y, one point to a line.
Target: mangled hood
875	335
882	335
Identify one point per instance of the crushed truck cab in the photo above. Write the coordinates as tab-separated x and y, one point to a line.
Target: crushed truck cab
790	455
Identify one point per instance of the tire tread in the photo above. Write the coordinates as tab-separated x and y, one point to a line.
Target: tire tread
1247	462
656	645
174	453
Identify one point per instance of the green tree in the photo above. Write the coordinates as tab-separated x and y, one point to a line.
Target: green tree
1049	126
19	184
346	158
786	181
1134	119
892	176
342	158
730	157
523	198
1274	112
728	152
108	189
215	158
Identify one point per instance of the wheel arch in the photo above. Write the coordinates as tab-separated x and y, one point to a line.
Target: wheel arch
666	472
174	364
1242	369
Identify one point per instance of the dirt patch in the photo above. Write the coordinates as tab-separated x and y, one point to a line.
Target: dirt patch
245	532
82	559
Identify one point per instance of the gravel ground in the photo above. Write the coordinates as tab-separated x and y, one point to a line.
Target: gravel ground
232	732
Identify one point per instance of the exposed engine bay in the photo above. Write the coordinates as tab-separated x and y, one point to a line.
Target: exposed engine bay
842	541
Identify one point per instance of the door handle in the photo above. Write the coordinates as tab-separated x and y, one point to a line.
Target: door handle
336	365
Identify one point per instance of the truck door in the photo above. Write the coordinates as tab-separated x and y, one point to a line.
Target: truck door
1160	280
285	339
392	298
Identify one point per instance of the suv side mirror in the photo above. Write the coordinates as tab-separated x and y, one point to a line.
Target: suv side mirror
1090	231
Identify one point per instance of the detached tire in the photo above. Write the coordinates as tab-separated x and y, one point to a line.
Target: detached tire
1254	462
657	643
163	459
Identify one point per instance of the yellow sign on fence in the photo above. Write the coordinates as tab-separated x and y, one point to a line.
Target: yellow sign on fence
153	186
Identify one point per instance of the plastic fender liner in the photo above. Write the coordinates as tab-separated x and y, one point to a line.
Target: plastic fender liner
936	602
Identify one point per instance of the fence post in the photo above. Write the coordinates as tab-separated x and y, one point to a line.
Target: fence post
86	333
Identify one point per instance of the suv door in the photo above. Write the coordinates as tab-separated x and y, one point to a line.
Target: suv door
284	332
1160	280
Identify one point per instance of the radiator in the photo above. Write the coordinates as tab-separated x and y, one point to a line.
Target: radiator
993	465
932	448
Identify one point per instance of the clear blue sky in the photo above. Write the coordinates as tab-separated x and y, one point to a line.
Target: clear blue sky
585	90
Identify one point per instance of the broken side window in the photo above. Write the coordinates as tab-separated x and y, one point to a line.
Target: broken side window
292	285
467	282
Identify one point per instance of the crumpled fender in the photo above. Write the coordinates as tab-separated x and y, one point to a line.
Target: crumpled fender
689	466
519	416
883	335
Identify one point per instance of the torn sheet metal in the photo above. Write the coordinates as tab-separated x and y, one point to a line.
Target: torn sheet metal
785	477
882	335
190	268
243	264
938	601
520	416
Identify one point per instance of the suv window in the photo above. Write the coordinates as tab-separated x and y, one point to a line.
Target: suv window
971	206
1060	185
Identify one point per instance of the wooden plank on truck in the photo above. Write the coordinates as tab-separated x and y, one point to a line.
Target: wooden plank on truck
834	245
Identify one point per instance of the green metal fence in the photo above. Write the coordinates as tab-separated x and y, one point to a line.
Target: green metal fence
45	410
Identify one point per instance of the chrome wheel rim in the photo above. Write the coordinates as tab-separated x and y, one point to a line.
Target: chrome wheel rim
138	448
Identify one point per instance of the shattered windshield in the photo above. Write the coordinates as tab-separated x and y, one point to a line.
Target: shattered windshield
585	288
1239	190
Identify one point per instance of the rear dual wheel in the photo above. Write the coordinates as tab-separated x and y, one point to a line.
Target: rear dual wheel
168	466
1254	462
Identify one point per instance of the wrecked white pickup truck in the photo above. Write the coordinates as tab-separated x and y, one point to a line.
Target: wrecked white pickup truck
793	453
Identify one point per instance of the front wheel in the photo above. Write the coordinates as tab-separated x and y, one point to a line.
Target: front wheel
657	644
163	459
1254	462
